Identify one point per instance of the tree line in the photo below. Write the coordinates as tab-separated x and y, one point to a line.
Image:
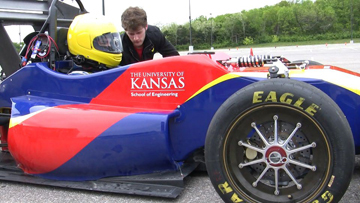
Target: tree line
287	21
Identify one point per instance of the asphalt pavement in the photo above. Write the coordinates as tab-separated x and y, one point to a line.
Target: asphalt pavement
198	187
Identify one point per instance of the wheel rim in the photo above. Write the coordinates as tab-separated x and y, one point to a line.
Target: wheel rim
293	168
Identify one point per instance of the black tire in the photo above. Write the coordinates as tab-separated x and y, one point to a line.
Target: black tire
236	154
311	63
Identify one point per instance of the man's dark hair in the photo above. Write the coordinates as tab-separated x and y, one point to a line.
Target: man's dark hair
133	17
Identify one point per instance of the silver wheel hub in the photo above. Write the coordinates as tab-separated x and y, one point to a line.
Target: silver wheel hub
278	154
275	158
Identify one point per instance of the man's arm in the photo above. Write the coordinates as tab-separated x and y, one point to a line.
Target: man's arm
167	49
163	46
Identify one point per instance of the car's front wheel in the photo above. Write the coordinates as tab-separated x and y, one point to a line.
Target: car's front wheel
280	140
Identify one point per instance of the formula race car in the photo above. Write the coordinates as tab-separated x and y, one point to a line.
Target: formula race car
266	129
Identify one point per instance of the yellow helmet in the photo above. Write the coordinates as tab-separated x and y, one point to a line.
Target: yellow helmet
96	39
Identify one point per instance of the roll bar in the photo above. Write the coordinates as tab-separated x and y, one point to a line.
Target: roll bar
43	16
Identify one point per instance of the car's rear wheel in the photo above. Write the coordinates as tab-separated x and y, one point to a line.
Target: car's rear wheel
310	62
279	140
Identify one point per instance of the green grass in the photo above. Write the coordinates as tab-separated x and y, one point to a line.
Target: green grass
280	44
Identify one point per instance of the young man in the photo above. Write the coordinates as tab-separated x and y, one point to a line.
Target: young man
141	41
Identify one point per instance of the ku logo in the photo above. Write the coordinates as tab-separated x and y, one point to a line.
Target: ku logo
157	83
157	80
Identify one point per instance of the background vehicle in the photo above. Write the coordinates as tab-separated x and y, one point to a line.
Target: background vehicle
279	132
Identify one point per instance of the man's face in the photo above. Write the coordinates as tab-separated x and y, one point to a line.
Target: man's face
137	36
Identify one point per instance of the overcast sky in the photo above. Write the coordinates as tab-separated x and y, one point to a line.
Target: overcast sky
161	12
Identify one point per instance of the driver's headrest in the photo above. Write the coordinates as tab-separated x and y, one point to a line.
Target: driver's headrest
61	40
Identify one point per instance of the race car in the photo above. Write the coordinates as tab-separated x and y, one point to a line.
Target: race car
264	128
